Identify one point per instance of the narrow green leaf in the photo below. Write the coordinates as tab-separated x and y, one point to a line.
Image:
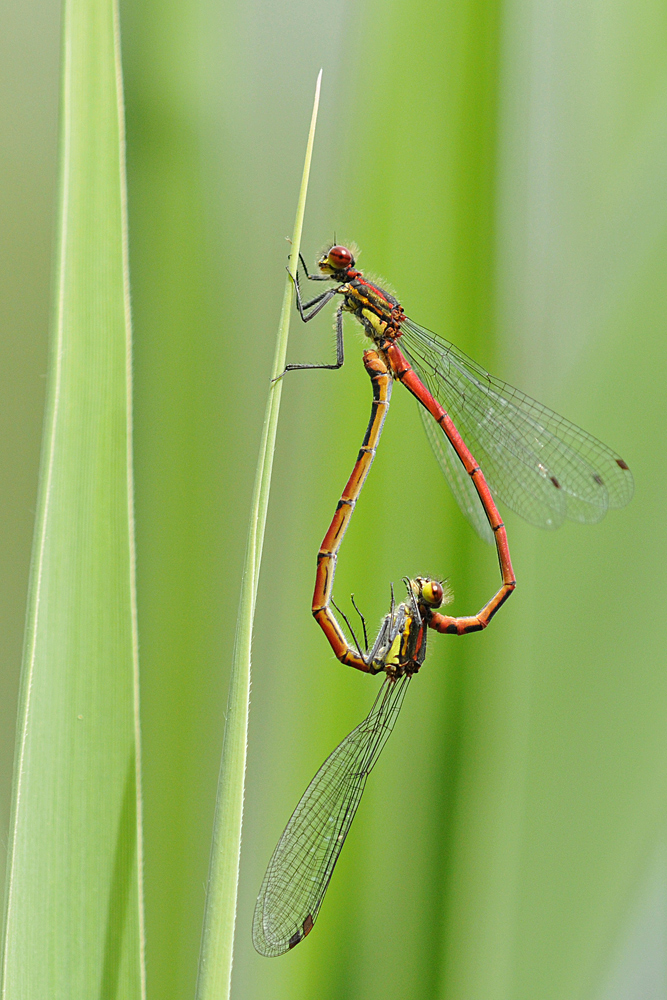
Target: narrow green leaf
215	966
73	920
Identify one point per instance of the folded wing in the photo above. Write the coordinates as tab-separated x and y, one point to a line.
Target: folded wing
541	465
302	864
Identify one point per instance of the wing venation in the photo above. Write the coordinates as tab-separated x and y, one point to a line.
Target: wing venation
302	864
541	465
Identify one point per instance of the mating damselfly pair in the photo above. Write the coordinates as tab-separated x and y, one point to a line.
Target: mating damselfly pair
491	440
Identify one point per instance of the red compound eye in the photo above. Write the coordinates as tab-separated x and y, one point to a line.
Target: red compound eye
340	257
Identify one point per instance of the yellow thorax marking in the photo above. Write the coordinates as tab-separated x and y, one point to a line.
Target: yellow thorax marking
398	648
405	635
379	325
393	656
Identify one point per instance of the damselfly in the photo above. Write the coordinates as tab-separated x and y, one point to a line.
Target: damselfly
541	465
302	864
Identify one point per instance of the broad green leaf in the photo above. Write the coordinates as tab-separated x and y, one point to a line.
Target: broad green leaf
73	923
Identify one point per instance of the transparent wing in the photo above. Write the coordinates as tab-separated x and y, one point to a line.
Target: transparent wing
541	465
302	864
459	481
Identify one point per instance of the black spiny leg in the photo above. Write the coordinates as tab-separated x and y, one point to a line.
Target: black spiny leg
312	277
363	655
318	302
304	306
340	348
363	621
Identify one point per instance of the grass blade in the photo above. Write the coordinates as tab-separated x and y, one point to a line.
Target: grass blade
215	968
73	918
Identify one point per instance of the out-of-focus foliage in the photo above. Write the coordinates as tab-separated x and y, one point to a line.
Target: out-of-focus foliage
73	917
504	167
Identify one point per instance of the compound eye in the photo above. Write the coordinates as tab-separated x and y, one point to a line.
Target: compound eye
433	593
340	258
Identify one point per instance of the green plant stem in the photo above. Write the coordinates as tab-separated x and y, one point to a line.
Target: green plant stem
215	964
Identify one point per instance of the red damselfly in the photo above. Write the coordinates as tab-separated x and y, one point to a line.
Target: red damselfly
300	869
541	465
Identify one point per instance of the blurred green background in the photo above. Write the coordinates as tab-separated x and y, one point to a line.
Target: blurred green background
504	166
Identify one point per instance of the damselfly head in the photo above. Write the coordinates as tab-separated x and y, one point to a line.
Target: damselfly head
432	593
336	259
